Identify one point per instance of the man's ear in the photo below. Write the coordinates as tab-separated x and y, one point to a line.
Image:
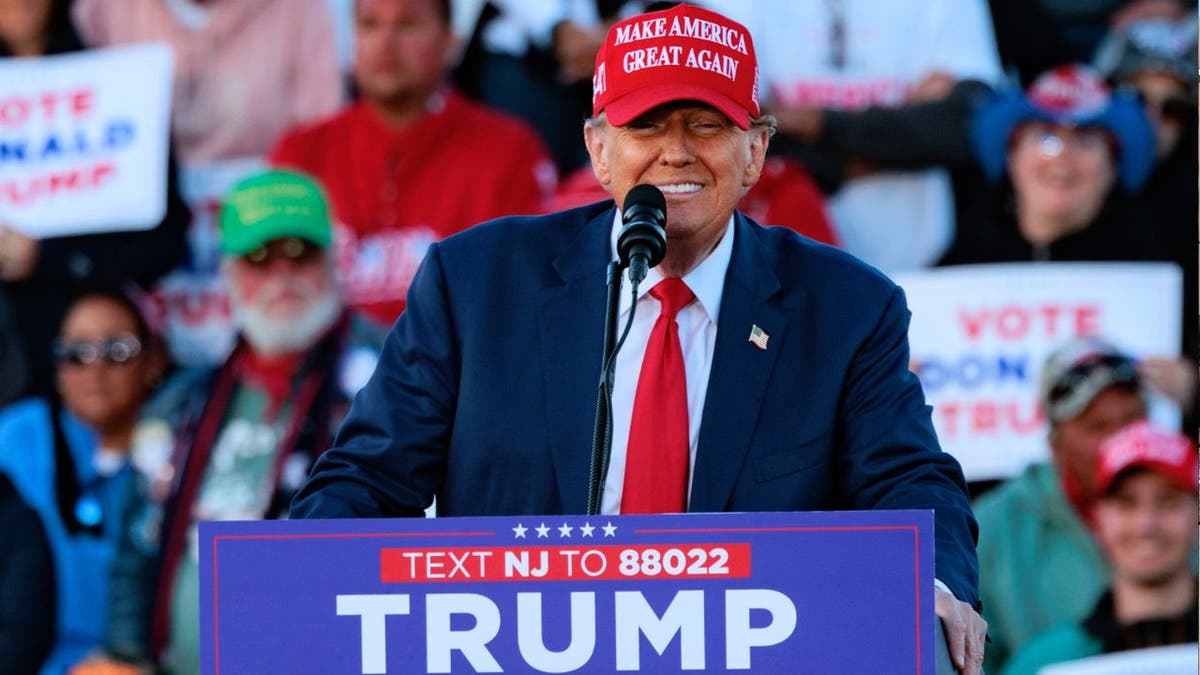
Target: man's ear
595	137
759	139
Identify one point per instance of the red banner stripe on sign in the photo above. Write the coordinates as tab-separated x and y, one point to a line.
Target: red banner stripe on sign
564	563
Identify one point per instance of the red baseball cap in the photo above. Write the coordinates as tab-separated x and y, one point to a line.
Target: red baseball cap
1169	454
683	53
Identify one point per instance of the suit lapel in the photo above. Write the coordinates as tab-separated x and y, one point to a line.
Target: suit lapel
571	316
740	370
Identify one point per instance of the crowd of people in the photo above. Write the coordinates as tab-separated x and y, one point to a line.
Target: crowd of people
198	369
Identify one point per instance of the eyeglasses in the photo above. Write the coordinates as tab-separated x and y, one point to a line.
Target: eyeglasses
1053	141
1122	370
118	349
293	248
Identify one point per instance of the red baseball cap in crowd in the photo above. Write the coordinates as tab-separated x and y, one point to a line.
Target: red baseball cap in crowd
681	54
1168	453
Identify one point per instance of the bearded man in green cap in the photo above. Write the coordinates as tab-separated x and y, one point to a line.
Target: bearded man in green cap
236	442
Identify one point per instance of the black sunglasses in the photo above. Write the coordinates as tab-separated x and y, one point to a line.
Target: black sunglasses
118	349
1123	370
292	248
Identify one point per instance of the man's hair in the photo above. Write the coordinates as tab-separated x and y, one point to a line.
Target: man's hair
442	6
766	121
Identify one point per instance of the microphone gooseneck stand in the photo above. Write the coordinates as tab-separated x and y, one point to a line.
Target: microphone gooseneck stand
641	245
602	431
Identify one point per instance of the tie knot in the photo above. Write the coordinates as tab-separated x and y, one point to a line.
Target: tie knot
674	296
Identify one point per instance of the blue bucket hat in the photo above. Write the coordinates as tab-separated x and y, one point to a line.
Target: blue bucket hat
1070	96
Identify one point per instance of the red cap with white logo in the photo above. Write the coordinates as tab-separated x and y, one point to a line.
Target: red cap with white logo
1169	454
680	54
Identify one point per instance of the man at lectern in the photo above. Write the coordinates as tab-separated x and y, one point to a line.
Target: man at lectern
761	372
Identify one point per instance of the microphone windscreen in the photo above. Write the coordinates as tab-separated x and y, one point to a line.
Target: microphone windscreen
643	236
645	195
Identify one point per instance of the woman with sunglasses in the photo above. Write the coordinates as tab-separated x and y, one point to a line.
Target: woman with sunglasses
69	456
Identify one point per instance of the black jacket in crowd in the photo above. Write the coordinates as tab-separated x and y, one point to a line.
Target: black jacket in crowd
27	590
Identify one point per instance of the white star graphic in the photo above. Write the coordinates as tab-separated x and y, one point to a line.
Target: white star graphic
586	530
519	531
610	530
542	531
565	530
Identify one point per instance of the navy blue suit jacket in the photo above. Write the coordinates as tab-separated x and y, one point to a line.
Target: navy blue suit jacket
485	391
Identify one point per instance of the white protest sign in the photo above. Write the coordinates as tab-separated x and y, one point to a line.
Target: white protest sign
1173	660
980	334
84	139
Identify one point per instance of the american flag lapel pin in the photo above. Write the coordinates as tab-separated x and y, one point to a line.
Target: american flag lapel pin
759	337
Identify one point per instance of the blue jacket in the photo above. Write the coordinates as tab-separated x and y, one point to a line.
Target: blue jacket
81	561
484	393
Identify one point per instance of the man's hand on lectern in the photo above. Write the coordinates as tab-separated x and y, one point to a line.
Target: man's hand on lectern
966	631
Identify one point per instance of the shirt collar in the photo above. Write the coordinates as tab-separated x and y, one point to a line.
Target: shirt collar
707	280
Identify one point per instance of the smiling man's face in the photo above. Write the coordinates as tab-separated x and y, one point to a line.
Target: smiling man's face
702	162
1146	526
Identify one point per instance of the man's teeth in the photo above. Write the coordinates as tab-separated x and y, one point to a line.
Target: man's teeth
680	188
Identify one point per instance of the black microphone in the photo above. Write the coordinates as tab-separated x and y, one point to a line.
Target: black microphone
643	239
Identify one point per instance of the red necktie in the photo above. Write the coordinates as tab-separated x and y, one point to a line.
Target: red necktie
656	461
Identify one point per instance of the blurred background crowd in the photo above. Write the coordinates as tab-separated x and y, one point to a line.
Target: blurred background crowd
151	379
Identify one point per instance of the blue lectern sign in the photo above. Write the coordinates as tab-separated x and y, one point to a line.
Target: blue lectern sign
831	592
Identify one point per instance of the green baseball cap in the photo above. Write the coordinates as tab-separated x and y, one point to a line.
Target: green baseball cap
274	205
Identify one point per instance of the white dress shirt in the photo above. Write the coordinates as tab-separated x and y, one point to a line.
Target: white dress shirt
697	337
